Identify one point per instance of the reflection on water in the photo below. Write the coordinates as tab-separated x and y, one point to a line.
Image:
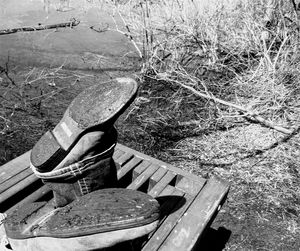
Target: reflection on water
63	5
16	13
14	9
67	5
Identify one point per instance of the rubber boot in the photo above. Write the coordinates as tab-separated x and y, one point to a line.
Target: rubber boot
88	167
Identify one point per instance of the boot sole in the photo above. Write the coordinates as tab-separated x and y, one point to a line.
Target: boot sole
101	219
93	109
82	243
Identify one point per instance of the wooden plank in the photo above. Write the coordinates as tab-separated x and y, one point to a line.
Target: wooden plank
124	158
11	181
191	226
189	186
140	168
132	163
143	177
166	191
17	187
32	197
117	154
14	166
159	187
156	177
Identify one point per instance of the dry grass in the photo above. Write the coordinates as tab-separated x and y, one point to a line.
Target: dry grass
219	48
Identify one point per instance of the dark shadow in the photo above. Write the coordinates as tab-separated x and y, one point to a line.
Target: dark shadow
170	204
214	239
20	195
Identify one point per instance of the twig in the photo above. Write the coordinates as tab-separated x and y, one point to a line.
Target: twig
252	115
72	23
128	34
100	30
271	6
5	70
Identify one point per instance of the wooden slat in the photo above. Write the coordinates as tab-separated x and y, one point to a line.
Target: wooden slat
124	158
162	184
117	153
132	163
32	197
168	190
15	179
14	166
189	186
156	177
17	187
193	223
140	168
143	177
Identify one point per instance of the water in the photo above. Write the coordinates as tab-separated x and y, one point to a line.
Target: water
79	47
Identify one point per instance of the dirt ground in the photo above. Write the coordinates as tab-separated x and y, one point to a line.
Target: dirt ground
262	210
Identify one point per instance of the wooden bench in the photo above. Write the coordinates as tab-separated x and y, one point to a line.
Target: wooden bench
188	203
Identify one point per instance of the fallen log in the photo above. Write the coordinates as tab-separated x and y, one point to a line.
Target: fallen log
39	27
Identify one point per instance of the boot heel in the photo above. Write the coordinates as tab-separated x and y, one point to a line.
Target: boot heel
47	147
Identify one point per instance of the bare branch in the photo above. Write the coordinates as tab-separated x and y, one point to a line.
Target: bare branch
250	114
72	23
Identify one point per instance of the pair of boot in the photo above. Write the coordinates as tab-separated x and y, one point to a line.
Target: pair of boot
88	211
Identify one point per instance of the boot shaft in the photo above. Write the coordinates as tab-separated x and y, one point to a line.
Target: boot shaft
83	172
100	174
